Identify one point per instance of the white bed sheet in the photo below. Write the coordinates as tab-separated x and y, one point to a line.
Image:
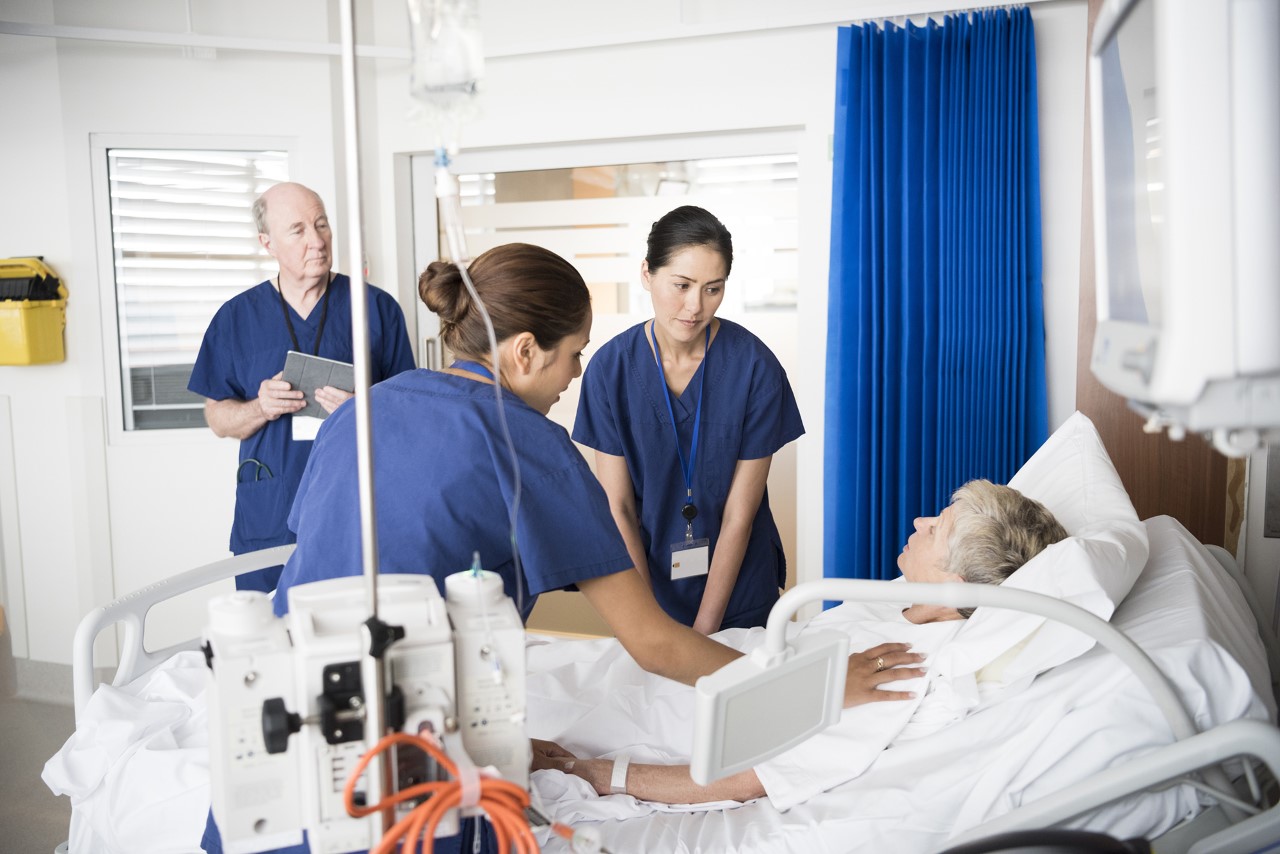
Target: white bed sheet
1070	723
137	767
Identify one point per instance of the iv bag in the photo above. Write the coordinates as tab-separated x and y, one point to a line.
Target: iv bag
447	63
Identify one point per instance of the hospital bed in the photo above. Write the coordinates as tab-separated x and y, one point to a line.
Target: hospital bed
1074	741
138	775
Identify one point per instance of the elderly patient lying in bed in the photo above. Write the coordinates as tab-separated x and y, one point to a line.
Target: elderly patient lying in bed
985	534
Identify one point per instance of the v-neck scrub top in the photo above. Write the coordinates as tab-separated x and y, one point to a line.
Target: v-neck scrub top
245	344
443	487
748	412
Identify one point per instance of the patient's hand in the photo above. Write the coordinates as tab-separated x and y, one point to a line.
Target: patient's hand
870	669
549	755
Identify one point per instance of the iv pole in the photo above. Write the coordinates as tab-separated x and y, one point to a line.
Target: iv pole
375	713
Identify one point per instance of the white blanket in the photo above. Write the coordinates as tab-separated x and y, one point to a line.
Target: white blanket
1013	747
606	705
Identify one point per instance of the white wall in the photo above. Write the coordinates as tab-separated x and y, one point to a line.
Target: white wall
100	513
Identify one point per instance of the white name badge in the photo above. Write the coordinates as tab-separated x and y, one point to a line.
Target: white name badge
689	558
305	427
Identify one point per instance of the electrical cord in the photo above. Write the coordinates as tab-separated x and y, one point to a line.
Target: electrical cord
501	800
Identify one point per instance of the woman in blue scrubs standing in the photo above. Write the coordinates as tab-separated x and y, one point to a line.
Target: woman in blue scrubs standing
685	412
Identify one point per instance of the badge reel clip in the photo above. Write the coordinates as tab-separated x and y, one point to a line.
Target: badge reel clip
690	558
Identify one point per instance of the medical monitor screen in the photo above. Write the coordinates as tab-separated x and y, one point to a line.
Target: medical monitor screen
1131	159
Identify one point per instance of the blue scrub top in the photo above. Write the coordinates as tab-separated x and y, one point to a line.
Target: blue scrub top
443	486
245	344
748	412
443	489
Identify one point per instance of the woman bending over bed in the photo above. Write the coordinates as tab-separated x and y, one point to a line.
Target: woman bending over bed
985	534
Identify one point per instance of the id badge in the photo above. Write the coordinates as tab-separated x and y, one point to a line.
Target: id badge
305	427
689	558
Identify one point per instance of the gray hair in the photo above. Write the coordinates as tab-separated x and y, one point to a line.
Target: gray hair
260	213
996	529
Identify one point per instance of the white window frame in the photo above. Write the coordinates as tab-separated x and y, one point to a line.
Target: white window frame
99	145
567	155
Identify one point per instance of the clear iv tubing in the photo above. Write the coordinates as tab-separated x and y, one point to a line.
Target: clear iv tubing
451	219
448	63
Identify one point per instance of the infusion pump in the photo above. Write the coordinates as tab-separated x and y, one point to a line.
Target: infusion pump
287	710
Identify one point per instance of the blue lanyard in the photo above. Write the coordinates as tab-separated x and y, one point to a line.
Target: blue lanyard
685	469
473	367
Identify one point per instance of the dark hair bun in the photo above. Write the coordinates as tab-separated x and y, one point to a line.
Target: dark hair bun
441	289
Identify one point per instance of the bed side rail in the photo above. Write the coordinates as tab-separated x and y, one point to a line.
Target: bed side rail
1252	599
1155	770
131	611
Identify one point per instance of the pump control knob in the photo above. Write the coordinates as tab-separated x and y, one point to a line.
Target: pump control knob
278	723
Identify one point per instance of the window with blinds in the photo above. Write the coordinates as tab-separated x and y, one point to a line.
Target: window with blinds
599	217
183	243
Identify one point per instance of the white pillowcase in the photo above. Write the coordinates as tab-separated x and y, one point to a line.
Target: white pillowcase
1094	568
1072	475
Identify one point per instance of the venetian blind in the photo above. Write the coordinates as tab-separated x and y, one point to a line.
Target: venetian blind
183	243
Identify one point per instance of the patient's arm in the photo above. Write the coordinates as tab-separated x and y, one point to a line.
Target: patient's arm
666	784
672	784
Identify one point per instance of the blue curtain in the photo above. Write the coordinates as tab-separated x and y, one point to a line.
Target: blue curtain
935	352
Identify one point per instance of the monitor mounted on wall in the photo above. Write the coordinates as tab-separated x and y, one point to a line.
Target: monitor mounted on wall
1185	118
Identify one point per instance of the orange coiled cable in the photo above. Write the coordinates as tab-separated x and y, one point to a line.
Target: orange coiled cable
501	800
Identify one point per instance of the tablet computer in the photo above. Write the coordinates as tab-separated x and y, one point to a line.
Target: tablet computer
308	373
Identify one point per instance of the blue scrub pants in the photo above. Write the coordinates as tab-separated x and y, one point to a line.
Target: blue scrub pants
464	843
264	580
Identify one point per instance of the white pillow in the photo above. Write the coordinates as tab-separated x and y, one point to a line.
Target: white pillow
1094	568
1072	475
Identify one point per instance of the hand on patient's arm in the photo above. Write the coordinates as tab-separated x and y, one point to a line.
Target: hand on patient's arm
863	679
331	398
667	784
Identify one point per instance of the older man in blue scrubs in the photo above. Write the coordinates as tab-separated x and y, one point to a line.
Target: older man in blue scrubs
306	308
